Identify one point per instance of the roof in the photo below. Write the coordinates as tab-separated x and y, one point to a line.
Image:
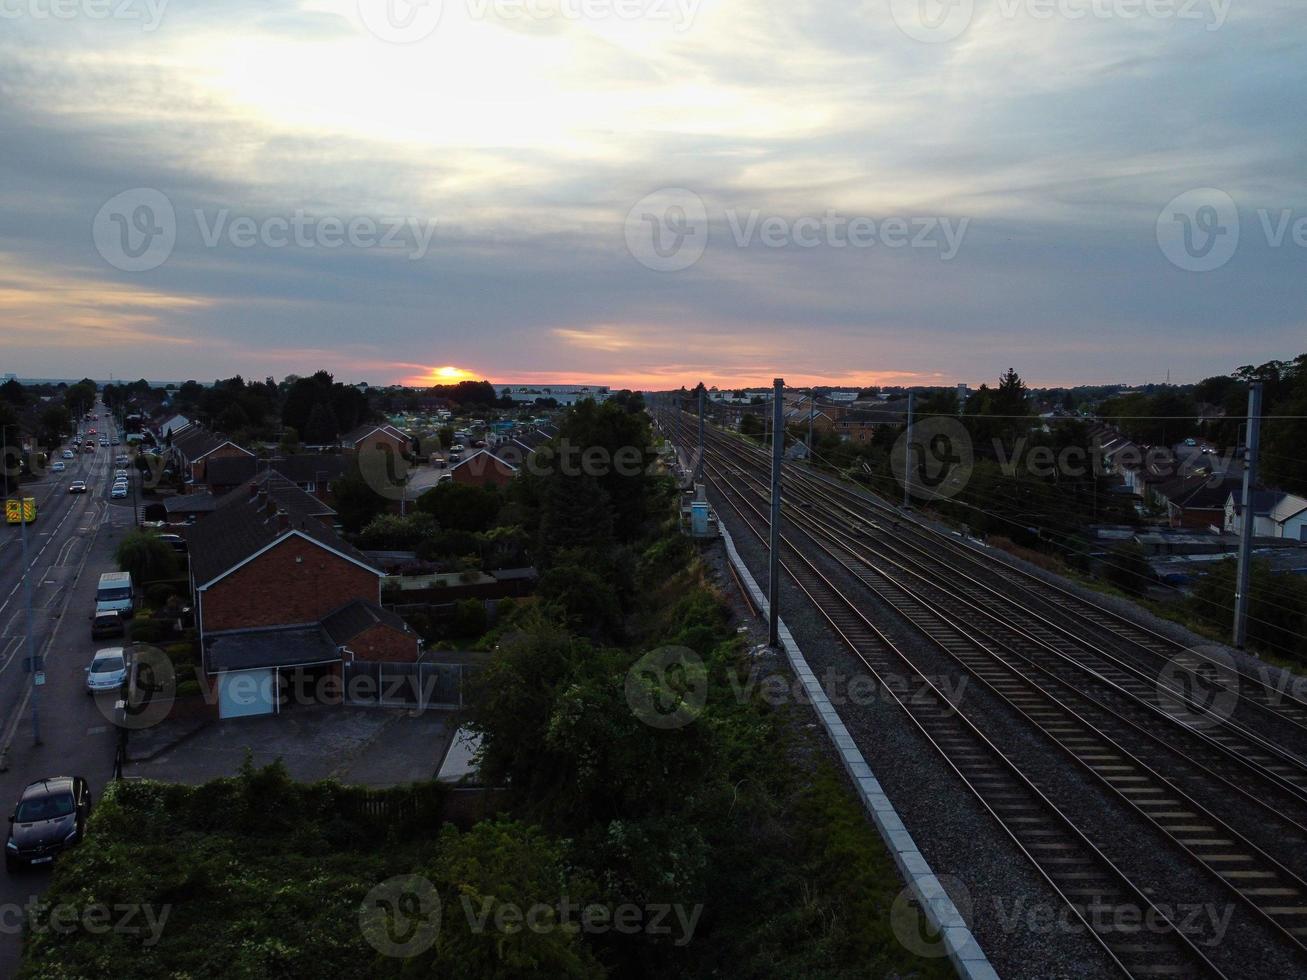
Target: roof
228	471
359	433
190	503
1289	507
175	424
276	647
283	491
1263	500
354	617
195	443
483	452
1199	492
242	525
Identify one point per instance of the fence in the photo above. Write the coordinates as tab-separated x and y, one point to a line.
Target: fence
421	685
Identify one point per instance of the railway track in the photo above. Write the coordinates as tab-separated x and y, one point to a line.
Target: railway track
1079	872
1089	708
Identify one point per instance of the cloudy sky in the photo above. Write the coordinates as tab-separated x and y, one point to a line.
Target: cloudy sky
650	192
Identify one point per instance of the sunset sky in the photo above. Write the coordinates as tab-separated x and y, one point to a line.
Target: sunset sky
494	169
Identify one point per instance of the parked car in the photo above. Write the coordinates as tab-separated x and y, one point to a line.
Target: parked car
120	460
117	442
106	624
118	492
119	475
108	670
50	817
69	454
174	541
77	486
57	466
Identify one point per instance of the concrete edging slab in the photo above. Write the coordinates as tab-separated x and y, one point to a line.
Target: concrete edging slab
965	953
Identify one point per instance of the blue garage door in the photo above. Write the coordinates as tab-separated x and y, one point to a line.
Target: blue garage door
246	692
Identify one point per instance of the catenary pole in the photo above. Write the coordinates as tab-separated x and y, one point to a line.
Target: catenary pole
774	553
1249	518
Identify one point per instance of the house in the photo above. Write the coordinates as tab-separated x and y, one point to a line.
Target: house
191	451
1289	516
174	425
187	508
1196	501
483	468
1263	502
282	601
312	472
384	437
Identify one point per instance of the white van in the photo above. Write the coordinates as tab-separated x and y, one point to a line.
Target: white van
114	594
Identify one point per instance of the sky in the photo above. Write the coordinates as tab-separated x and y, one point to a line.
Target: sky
649	193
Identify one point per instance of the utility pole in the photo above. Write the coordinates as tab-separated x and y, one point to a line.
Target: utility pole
812	411
1251	443
774	554
907	449
31	639
698	461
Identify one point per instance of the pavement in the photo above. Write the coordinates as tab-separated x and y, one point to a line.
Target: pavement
71	542
366	746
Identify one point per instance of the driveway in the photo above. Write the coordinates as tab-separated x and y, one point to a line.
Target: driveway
364	746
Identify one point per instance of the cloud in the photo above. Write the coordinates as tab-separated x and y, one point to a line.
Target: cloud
528	142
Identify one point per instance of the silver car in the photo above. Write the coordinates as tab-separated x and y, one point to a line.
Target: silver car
108	670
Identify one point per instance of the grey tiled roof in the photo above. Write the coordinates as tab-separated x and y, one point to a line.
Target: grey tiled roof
353	618
278	647
241	525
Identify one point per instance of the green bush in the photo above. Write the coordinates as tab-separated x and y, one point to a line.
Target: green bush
159	593
146	630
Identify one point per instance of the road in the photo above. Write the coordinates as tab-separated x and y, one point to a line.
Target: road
69	545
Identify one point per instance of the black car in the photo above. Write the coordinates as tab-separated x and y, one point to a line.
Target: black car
106	624
51	816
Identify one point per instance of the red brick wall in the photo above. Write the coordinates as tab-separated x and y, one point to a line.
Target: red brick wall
382	642
275	590
383	441
483	470
197	468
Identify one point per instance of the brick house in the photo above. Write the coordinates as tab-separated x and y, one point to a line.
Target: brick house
483	469
196	445
311	472
281	600
384	437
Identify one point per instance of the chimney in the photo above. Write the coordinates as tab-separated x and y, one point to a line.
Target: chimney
262	496
254	490
283	521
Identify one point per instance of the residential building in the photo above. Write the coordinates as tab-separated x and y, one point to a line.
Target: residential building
281	599
483	468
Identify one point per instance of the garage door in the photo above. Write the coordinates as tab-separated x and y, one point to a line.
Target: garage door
246	692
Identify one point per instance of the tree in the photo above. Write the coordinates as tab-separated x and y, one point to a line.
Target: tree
357	501
496	865
461	506
54	424
13	392
322	427
446	436
146	557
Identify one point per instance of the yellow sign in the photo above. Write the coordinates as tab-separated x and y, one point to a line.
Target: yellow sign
23	510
